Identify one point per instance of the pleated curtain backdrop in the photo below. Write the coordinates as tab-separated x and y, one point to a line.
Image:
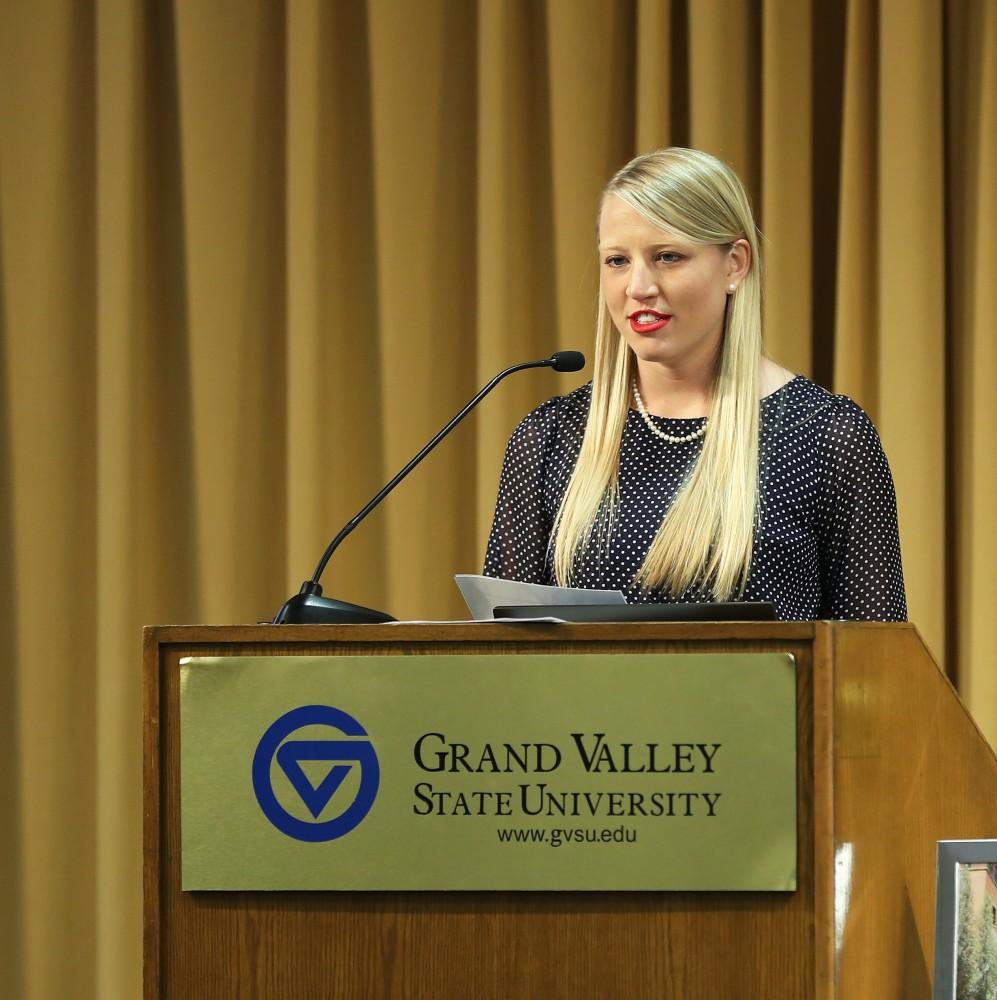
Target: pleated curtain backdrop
254	254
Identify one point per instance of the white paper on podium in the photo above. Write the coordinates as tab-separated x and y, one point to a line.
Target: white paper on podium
483	593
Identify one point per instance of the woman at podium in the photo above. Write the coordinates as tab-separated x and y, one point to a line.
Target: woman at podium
692	467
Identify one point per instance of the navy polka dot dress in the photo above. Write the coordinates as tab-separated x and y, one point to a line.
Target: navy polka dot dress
826	543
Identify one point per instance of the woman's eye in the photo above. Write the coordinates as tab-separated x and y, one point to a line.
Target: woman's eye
616	261
669	257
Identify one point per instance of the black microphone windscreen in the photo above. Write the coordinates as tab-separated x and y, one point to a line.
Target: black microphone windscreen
568	361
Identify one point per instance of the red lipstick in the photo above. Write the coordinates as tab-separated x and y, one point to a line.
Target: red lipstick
648	320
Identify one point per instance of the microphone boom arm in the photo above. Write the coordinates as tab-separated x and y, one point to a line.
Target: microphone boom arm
351	524
308	606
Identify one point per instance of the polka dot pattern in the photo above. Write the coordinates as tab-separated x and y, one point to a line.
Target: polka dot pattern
826	542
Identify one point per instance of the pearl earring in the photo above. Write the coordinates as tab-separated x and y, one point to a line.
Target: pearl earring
732	288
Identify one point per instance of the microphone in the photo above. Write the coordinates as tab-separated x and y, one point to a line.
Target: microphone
308	606
563	361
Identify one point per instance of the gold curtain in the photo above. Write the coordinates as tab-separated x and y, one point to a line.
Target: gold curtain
253	254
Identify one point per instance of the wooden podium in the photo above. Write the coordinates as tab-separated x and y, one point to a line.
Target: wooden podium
889	762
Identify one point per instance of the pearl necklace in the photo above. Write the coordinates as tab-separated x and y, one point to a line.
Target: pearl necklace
657	431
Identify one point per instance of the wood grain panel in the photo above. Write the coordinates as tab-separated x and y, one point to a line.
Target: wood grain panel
911	768
481	945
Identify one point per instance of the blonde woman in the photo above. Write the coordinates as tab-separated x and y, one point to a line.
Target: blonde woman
692	467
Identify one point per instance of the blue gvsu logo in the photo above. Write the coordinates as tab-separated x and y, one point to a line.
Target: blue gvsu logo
345	755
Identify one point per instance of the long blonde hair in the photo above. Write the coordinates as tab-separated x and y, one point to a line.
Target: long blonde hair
706	537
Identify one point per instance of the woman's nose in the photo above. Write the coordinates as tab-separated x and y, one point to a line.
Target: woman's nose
643	283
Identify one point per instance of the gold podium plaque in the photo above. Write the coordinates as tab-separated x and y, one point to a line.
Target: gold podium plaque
656	771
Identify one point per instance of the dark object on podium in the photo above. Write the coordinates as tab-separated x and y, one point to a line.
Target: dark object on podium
308	606
745	611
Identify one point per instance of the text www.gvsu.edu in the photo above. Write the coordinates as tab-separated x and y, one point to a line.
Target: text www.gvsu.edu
558	837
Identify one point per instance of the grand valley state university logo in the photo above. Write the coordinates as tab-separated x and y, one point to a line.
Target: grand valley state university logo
350	749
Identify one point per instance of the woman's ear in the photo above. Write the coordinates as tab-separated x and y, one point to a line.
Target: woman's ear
738	261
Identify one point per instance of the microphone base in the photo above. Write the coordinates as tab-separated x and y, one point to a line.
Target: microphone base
311	609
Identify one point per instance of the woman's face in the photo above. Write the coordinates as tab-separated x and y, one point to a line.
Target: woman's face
666	296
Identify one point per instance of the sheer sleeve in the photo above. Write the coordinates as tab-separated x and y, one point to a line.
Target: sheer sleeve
860	568
518	544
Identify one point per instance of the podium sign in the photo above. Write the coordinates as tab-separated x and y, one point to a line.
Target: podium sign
528	772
